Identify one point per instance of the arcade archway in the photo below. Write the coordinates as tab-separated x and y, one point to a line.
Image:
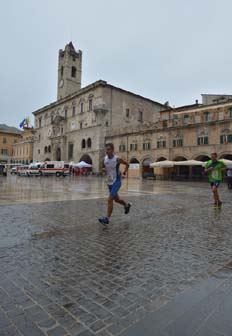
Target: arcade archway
226	156
86	158
198	171
161	158
134	160
146	169
181	171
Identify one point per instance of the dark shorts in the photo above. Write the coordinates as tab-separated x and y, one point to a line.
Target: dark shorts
215	184
114	188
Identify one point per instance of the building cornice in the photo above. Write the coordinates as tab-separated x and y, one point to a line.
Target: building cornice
90	88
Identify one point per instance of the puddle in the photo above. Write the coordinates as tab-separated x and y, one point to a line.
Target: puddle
48	234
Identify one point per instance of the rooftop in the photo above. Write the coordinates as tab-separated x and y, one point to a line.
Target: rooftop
89	88
9	129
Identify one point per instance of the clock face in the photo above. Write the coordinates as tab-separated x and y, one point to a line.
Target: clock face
61	84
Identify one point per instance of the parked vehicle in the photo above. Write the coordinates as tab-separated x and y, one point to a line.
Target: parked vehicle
34	168
58	168
22	170
3	169
13	170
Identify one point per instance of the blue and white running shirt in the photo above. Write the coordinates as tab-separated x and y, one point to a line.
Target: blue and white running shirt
112	169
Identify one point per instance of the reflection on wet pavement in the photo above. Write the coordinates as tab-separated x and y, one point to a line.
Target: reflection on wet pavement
46	189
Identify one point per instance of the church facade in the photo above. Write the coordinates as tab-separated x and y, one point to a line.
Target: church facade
76	125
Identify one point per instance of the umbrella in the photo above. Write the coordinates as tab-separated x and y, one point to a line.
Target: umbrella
83	164
162	164
189	163
228	163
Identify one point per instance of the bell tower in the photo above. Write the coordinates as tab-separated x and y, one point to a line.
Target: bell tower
69	71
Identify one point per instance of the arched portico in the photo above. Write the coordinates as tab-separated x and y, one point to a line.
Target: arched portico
134	160
181	171
161	158
86	158
227	156
145	166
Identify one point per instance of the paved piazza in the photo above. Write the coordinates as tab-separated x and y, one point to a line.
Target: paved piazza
61	273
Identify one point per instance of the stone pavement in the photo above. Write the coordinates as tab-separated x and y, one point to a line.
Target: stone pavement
204	310
152	272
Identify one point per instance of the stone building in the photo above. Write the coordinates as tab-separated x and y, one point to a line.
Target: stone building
23	150
75	127
188	132
8	137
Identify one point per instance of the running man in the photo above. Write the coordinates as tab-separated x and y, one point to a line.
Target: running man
215	168
110	167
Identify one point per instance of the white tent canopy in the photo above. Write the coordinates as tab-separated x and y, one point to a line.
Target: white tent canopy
228	163
82	164
189	163
162	164
170	164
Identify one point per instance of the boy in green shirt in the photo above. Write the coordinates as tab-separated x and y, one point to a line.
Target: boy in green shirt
215	168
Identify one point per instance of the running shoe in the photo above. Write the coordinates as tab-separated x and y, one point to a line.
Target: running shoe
103	220
127	208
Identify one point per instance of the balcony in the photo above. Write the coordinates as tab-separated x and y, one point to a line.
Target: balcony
100	108
56	132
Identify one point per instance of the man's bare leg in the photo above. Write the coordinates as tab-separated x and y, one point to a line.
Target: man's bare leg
215	194
117	199
126	205
110	206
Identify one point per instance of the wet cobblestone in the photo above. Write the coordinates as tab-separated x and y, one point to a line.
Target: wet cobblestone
62	274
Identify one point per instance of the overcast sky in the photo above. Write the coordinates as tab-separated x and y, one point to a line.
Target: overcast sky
166	50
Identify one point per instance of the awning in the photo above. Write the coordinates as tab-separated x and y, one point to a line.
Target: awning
189	163
228	163
162	164
82	164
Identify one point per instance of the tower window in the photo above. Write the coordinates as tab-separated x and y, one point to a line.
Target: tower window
73	110
74	72
127	113
83	143
82	107
89	143
140	116
62	71
90	104
70	151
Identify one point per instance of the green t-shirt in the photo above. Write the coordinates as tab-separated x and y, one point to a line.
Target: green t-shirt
216	173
